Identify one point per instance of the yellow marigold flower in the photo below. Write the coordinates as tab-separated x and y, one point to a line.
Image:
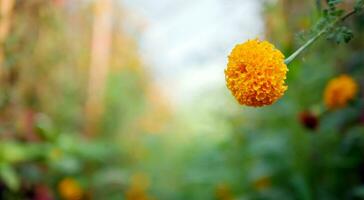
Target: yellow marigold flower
339	91
69	189
255	73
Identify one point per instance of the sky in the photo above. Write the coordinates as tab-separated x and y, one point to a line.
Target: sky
185	43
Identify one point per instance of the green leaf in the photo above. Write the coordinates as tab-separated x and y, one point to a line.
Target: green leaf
9	176
45	127
334	2
359	5
341	34
359	191
12	152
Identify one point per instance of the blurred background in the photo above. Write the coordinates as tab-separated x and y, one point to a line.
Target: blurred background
126	99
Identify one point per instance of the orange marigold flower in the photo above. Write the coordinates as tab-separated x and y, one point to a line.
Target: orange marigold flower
339	91
138	188
255	73
69	189
223	192
262	183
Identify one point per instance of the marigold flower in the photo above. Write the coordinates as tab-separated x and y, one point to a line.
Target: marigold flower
262	183
223	192
339	91
69	189
138	188
255	73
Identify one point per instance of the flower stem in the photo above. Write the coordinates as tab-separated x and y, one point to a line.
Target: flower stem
303	47
314	38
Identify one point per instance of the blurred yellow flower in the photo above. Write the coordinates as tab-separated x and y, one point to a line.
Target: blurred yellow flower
69	189
255	73
138	187
339	91
223	192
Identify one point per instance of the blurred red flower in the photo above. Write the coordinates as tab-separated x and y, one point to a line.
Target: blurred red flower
309	120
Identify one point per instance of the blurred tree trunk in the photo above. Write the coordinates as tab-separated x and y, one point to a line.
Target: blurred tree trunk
100	53
6	8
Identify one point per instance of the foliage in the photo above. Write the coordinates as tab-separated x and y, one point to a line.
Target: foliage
332	19
209	149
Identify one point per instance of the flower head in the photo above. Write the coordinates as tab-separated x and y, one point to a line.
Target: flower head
223	192
262	183
138	187
339	91
255	73
69	189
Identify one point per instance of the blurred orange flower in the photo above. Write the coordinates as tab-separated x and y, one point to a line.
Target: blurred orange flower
339	91
138	187
223	192
69	189
262	183
255	73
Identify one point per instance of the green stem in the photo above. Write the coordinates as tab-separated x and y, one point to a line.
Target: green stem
303	47
314	38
